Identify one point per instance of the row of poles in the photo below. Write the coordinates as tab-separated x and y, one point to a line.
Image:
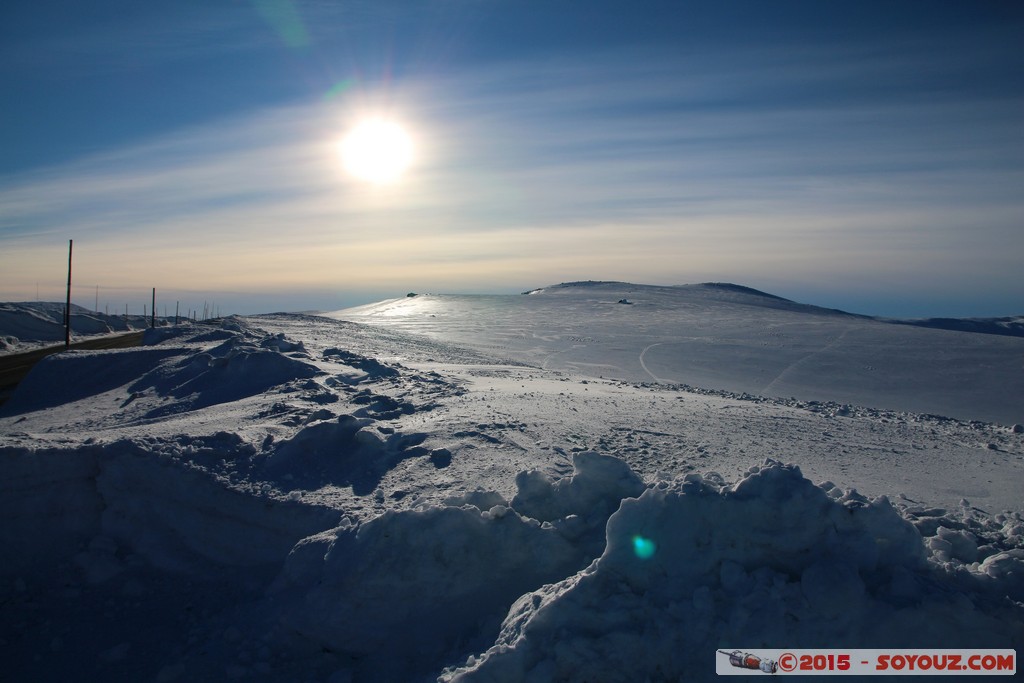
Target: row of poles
67	305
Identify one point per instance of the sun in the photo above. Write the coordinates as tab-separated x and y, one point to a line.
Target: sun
377	151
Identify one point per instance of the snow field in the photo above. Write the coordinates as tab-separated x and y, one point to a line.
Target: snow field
297	498
726	337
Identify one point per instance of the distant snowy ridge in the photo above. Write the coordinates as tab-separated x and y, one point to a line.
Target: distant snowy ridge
723	291
727	337
1007	326
27	324
741	288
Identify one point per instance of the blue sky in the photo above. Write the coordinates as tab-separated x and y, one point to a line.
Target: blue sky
867	156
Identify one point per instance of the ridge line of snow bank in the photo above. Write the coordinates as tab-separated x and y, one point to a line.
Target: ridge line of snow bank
179	517
770	561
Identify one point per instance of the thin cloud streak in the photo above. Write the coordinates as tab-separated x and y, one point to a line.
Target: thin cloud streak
598	169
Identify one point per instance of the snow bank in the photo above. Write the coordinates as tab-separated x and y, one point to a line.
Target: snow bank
345	451
438	580
179	501
594	576
38	322
184	518
48	503
685	567
682	567
73	375
773	561
235	369
157	500
373	368
179	366
582	502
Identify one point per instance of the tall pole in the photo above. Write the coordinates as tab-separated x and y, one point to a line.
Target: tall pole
152	320
67	307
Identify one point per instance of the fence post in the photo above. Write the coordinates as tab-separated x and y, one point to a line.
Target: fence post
67	307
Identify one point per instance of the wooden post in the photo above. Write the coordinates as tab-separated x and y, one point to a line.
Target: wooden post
152	320
176	304
67	307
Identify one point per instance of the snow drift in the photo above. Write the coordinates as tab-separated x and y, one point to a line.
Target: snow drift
772	561
621	581
439	579
301	499
34	323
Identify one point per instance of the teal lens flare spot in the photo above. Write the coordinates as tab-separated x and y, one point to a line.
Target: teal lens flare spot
644	548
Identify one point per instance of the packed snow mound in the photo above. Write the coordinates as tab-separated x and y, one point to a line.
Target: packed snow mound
598	481
170	507
168	502
773	561
373	368
345	451
179	369
74	375
439	579
234	369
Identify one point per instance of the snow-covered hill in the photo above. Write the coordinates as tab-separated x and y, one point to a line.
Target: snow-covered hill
728	337
546	487
28	325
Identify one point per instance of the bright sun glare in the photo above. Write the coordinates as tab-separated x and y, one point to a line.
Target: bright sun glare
377	150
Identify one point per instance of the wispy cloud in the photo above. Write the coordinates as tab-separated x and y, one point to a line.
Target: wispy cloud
782	166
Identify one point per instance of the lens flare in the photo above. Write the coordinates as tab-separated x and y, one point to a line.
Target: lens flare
283	16
339	88
644	548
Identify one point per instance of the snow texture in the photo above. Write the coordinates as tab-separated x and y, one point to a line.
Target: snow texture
771	561
498	493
